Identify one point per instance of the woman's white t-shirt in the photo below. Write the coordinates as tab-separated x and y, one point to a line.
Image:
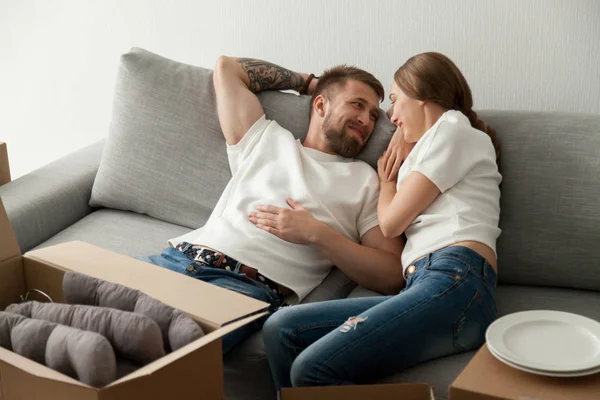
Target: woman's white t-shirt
461	161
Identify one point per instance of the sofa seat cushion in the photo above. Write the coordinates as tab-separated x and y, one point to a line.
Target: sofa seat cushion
123	232
514	298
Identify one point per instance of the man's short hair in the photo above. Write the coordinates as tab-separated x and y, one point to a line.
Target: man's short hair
339	75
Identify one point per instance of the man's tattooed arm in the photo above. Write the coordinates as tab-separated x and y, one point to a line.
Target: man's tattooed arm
264	75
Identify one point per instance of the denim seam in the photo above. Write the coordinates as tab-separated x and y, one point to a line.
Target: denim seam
293	336
490	290
470	264
457	283
454	258
458	324
310	327
454	285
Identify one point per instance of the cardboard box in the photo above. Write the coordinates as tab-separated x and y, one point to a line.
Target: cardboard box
4	167
192	372
403	391
487	378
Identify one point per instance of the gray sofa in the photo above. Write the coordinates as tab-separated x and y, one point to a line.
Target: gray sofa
163	166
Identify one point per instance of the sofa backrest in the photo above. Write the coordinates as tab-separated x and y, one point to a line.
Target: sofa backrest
165	154
550	205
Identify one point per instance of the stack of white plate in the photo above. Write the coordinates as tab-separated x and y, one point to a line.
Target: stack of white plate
551	343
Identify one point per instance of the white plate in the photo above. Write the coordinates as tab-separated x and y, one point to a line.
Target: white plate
546	373
551	341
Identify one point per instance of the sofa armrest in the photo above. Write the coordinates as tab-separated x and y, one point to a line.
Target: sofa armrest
46	201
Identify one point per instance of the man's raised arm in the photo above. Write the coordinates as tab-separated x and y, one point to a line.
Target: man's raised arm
236	80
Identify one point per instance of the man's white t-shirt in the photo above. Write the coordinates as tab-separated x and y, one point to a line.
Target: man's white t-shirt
461	161
269	165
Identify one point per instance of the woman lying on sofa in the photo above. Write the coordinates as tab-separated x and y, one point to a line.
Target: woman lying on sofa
446	202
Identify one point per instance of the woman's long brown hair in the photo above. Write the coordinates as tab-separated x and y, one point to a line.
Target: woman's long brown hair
434	77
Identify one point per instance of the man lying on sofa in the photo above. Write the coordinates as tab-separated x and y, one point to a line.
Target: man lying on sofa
291	210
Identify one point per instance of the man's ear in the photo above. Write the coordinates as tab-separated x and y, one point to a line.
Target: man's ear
320	105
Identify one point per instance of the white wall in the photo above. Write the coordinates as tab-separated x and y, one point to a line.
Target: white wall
59	58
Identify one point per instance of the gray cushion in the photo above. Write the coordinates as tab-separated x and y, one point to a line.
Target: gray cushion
85	355
336	285
165	154
135	336
120	231
550	212
177	328
514	298
362	292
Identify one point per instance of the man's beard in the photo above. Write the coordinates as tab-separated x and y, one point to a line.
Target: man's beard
340	141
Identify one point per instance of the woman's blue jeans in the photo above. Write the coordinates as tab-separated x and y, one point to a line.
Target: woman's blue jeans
445	308
175	260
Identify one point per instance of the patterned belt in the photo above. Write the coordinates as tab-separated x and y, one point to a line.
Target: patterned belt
205	257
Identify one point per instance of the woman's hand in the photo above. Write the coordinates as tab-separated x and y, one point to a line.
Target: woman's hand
381	163
296	225
396	153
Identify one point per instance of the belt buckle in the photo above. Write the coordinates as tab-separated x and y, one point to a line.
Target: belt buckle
206	256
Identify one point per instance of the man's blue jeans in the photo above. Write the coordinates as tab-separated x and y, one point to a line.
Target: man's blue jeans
445	308
176	261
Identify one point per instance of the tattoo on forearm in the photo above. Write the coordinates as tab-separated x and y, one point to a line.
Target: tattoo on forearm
265	75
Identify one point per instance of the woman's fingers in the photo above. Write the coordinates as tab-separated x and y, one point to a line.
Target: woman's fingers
394	173
390	161
381	167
